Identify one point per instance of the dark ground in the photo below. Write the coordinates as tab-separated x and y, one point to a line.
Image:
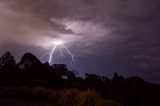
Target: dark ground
21	102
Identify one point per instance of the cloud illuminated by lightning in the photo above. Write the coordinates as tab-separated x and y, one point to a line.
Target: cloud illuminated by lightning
63	49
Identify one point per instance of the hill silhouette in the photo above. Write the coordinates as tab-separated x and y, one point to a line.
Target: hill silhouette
30	72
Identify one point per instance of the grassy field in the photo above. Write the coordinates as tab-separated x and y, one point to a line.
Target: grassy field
39	96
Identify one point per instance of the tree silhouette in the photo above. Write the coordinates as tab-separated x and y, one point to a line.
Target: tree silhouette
30	72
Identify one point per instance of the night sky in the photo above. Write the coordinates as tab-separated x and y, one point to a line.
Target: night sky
105	36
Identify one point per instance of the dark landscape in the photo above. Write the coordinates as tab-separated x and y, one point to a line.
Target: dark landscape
79	52
32	83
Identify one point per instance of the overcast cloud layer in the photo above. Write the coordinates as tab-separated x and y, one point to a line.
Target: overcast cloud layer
105	36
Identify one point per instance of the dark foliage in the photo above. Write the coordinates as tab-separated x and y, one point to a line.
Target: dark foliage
30	72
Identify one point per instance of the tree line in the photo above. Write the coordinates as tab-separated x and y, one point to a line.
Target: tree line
31	72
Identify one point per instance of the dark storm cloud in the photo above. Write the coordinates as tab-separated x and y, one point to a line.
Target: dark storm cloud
126	32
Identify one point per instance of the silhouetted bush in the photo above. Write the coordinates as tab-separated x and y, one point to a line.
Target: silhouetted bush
89	98
69	98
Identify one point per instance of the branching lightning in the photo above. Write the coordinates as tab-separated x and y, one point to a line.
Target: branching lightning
69	52
63	49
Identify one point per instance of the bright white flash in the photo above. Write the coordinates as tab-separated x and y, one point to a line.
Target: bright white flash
58	42
60	45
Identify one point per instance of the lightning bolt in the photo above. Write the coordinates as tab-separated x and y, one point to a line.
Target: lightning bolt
70	53
51	54
61	52
63	49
